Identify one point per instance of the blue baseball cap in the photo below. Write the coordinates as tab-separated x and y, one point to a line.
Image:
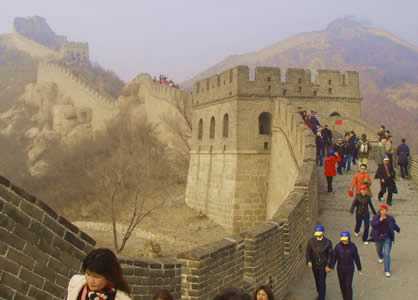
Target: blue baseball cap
319	230
344	236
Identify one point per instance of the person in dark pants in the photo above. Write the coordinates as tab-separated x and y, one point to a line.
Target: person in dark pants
319	257
320	149
361	204
327	135
345	256
383	233
386	174
330	171
340	149
403	154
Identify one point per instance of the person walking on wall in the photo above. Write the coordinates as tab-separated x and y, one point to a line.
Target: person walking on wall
361	178
355	141
319	257
403	154
330	168
381	133
348	151
363	149
320	149
327	136
340	149
345	256
386	174
361	204
380	152
383	233
102	278
389	149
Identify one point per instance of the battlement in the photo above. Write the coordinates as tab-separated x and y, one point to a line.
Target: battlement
82	95
269	82
77	51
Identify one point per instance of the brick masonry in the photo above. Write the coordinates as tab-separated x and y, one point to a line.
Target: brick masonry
40	251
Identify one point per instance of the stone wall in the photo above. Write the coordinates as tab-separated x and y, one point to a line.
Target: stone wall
102	107
33	48
414	168
272	252
40	251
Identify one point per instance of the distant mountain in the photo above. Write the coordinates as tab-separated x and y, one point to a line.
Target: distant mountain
387	64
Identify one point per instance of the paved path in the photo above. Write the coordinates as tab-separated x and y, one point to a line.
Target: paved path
372	284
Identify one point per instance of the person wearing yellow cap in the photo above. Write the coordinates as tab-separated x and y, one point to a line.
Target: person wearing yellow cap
319	257
361	204
345	256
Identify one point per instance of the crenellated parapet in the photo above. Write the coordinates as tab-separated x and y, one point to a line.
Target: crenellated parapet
270	82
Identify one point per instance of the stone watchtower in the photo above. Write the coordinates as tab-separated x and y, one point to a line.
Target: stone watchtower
230	159
229	164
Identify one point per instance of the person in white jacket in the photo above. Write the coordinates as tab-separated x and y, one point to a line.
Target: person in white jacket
102	279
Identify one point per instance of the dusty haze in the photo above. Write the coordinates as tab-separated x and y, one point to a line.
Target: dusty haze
180	37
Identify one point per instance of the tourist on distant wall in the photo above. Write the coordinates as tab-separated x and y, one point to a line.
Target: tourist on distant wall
349	149
361	204
327	136
345	256
403	154
381	133
389	149
340	149
320	149
355	141
386	174
330	168
263	293
380	152
162	295
102	278
383	233
361	178
319	257
363	149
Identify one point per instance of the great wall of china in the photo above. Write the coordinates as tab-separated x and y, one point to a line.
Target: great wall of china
40	250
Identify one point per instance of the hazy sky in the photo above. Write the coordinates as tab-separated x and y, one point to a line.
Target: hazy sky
182	37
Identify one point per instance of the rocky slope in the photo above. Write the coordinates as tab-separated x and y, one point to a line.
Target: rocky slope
387	64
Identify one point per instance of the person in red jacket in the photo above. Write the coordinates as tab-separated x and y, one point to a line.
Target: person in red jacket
330	168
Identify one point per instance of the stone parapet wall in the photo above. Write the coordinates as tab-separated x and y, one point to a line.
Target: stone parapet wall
272	252
413	167
82	95
268	82
39	250
30	47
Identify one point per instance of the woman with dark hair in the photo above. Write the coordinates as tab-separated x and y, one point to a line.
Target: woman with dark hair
102	279
162	295
263	293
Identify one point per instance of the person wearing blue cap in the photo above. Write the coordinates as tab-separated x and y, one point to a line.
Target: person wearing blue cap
345	256
319	257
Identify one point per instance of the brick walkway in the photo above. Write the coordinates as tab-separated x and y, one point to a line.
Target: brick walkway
372	284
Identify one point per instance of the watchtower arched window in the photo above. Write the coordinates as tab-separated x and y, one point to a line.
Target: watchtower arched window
225	129
212	128
200	130
335	114
264	123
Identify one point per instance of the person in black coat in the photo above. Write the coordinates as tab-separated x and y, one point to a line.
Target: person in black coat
345	256
361	204
327	136
319	257
386	174
340	148
403	154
